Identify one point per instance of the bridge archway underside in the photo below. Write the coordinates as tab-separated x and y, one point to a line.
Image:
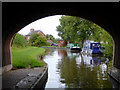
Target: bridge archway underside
18	15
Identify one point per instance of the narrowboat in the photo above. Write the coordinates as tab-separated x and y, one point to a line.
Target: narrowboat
75	47
91	47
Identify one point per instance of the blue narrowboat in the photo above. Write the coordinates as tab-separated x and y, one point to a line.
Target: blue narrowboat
96	48
91	47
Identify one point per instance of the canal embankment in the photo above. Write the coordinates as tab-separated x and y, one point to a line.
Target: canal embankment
114	73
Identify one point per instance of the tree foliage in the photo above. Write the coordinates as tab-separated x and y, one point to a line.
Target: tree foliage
76	29
19	41
51	37
33	38
40	41
100	35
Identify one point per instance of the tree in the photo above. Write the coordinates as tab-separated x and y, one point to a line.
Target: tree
40	41
51	37
74	29
33	38
19	41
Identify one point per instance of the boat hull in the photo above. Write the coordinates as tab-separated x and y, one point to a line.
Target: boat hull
79	49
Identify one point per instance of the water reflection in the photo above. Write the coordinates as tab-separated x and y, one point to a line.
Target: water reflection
74	70
47	52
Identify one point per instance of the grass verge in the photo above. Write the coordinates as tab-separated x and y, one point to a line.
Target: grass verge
27	57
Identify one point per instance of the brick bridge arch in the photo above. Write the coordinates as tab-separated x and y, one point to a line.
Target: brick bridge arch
18	15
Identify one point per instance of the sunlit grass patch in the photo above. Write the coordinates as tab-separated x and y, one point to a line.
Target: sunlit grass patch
25	57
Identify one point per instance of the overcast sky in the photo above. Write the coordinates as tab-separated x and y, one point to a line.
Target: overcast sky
47	25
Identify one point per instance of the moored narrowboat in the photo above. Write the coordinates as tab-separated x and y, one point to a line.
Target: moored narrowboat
75	46
91	48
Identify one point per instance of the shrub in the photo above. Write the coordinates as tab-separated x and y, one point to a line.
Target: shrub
40	41
33	38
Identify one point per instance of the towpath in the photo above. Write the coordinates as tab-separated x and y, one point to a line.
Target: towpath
11	78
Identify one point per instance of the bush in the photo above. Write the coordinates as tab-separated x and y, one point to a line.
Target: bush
33	38
19	41
40	41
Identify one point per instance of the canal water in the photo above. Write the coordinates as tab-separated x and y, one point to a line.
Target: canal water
68	69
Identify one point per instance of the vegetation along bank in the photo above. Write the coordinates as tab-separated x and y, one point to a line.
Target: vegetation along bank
24	55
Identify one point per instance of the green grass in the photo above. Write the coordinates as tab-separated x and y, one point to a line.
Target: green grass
24	57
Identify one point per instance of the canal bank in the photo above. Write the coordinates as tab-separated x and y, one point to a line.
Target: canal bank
25	78
115	73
